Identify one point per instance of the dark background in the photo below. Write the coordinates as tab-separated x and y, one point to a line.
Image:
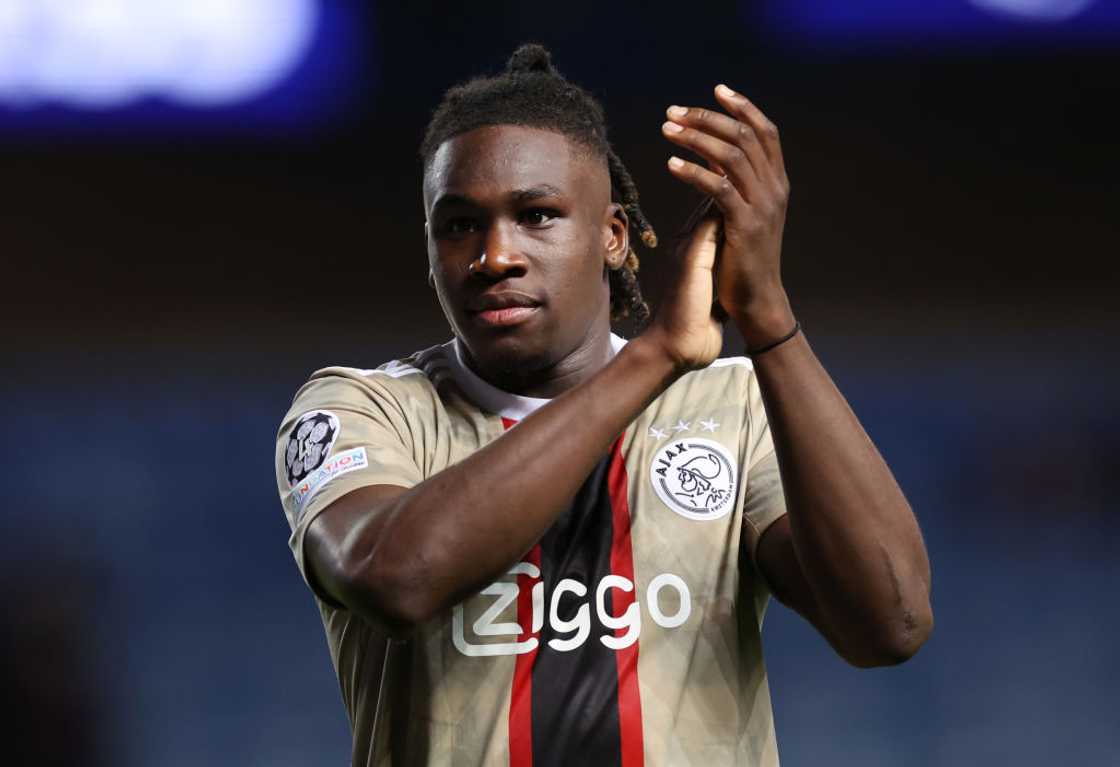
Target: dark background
170	280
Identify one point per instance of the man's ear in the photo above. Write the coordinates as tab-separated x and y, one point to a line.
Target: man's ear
616	235
431	274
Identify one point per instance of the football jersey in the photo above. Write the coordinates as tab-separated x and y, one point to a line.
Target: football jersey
628	635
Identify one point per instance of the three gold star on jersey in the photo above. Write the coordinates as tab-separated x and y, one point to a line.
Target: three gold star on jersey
682	426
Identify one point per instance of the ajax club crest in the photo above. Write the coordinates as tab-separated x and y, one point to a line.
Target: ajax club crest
695	478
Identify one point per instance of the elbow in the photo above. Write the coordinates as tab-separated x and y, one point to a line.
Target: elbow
895	642
370	571
387	594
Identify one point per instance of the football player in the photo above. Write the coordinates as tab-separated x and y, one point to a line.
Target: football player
541	544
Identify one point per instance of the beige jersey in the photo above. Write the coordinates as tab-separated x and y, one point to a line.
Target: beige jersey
629	635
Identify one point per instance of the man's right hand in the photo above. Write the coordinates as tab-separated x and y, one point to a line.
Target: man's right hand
684	328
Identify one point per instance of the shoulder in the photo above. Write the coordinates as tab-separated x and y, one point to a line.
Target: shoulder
416	375
729	366
396	391
716	402
724	374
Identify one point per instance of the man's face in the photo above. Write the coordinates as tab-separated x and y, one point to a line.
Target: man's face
520	225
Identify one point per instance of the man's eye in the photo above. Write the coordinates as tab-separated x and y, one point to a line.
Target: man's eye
460	226
537	216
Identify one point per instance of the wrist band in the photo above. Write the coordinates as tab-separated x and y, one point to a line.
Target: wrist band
779	342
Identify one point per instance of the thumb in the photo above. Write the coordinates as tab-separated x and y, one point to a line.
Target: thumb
702	246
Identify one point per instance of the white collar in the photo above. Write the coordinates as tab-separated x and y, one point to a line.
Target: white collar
490	397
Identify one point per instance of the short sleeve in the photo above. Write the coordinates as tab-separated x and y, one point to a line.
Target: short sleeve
341	433
765	501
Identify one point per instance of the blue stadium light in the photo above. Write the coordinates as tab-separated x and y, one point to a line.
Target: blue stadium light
1036	10
946	24
109	54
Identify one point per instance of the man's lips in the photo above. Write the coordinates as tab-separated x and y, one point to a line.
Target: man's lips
501	299
514	315
504	308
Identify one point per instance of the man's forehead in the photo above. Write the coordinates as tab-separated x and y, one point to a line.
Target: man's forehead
509	157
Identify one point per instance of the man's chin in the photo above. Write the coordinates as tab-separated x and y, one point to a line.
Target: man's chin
508	358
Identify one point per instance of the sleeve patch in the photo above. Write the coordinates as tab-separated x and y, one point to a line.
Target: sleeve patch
343	463
309	443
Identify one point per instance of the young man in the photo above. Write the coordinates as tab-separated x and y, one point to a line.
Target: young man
538	544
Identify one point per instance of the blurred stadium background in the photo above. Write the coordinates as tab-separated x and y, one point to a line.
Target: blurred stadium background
205	201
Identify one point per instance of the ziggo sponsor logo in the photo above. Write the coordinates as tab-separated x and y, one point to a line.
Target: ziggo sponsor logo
579	627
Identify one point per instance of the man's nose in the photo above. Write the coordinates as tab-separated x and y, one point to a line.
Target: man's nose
500	257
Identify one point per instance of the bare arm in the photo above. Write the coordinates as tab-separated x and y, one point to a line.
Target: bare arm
850	556
399	556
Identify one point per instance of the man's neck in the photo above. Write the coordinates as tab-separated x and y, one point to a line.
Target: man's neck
545	383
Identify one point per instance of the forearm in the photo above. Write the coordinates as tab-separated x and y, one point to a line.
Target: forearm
854	534
463	527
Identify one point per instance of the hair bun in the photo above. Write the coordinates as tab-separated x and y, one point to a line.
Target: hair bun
530	57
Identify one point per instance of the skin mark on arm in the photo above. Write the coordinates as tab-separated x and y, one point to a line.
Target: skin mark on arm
909	621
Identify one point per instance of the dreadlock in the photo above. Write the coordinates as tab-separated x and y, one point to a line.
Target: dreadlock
532	93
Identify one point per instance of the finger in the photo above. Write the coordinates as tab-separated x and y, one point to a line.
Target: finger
700	251
744	109
720	188
705	209
728	157
728	129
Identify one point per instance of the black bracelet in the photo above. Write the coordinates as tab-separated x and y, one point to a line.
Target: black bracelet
779	342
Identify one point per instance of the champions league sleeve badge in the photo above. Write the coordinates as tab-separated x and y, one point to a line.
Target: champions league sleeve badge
309	443
695	478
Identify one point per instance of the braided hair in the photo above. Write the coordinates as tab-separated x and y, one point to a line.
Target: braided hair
532	93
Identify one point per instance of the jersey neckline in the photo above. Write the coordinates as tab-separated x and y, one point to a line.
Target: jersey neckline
490	397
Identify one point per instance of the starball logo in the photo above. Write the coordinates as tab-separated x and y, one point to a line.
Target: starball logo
569	633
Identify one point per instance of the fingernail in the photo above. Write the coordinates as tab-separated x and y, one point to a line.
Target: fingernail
669	127
724	91
675	111
676	163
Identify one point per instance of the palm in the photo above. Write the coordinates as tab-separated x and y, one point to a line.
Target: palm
694	336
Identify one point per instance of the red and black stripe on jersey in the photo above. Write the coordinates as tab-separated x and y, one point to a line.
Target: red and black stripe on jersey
580	706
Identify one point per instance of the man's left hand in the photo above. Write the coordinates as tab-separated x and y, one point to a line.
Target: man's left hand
746	178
